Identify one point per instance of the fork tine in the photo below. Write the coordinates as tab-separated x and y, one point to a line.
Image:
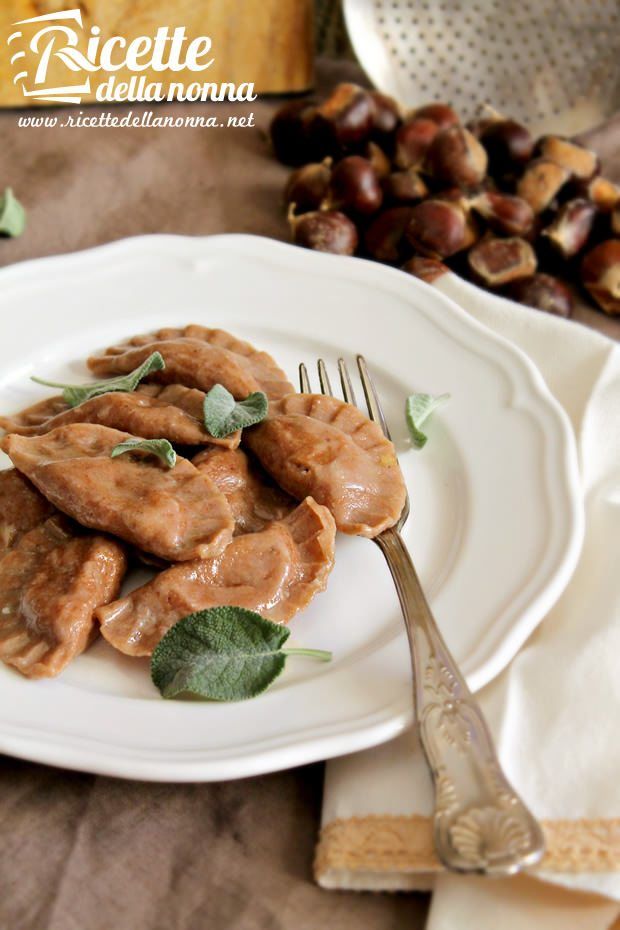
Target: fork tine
375	411
304	381
326	387
345	379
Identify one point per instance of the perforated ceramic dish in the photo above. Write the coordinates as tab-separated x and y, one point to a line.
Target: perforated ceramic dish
496	519
553	64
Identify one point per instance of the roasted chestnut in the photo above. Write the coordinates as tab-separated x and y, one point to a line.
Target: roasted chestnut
579	162
378	159
307	186
456	157
412	142
440	113
292	133
423	188
384	239
543	292
600	274
480	124
404	187
504	213
354	187
540	183
439	228
495	262
324	231
426	269
385	115
347	115
570	229
509	145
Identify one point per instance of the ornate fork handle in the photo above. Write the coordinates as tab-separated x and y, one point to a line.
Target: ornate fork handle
480	823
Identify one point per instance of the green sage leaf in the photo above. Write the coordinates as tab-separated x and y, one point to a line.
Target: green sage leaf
76	394
417	410
222	654
159	447
224	415
12	215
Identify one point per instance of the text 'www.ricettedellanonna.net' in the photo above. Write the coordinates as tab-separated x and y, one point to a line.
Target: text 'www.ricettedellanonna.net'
145	120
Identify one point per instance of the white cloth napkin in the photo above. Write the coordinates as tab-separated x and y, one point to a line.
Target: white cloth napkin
554	712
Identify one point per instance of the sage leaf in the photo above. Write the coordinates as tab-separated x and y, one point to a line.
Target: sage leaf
417	410
159	447
76	394
222	654
224	415
12	215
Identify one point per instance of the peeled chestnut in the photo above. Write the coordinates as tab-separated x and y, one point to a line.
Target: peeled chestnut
385	237
404	187
355	187
412	142
385	114
543	292
540	183
500	261
291	133
439	228
571	227
378	159
456	157
580	162
347	114
440	113
600	273
509	145
426	269
307	186
324	231
504	213
602	192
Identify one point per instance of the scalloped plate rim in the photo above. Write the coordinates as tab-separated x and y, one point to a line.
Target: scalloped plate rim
386	722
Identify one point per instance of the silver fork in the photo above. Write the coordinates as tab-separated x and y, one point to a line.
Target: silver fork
480	823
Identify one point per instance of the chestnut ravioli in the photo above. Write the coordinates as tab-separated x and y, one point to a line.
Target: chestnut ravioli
198	357
174	513
22	508
50	584
254	499
153	411
275	572
322	447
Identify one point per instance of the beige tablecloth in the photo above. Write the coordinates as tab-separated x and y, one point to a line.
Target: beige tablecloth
86	853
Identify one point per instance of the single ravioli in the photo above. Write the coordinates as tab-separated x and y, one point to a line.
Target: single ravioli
175	513
51	582
198	357
275	572
173	412
321	446
22	508
254	499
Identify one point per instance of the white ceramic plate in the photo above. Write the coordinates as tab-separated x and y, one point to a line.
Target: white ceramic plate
495	528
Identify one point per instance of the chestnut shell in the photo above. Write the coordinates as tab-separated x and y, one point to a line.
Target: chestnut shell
544	292
355	186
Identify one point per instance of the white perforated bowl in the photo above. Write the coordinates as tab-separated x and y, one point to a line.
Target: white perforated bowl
553	64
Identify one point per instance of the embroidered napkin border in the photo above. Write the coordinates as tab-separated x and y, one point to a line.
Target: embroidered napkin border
405	844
